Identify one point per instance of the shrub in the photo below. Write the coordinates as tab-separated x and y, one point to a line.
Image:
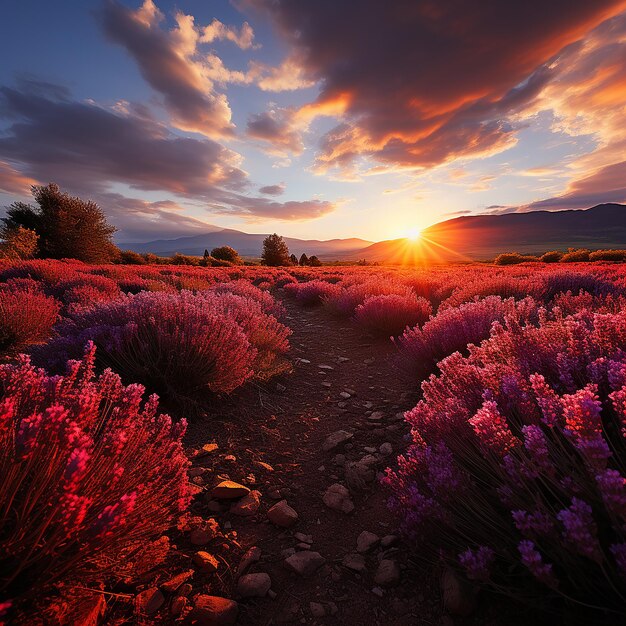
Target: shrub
389	315
553	256
314	261
561	281
18	243
184	259
608	255
177	344
516	472
575	255
91	476
513	258
453	329
26	316
313	292
226	253
130	257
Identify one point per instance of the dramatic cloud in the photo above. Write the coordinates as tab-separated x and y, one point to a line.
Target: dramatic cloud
13	182
88	149
425	82
279	128
273	190
170	63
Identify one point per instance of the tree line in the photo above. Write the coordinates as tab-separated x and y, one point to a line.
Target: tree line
61	226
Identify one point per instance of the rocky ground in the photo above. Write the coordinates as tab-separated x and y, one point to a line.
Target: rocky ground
290	520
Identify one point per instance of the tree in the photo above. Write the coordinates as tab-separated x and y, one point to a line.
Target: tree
294	259
226	253
67	226
275	251
304	259
18	243
314	261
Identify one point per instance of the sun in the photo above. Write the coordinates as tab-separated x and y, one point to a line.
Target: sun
413	234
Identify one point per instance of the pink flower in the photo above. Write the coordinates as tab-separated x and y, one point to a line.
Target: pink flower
492	430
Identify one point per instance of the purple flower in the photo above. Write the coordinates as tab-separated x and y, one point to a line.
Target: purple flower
579	529
477	563
532	559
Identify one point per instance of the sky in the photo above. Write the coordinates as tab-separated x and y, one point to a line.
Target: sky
313	118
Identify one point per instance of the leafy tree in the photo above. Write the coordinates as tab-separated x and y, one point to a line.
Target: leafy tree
130	257
304	259
226	253
294	259
18	243
314	261
67	226
275	251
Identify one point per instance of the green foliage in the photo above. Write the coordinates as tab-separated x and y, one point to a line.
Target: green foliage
18	243
226	253
304	259
314	261
275	251
67	227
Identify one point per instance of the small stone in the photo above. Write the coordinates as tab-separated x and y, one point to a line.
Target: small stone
370	449
339	459
305	563
336	439
254	585
377	591
231	458
326	367
326	384
342	359
366	541
204	532
337	497
369	460
388	540
386	448
352	392
248	505
355	562
251	556
376	416
387	574
205	562
229	490
266	466
178	605
287	552
171	585
214	611
184	590
345	395
458	597
148	602
281	514
317	609
305	361
303	546
303	538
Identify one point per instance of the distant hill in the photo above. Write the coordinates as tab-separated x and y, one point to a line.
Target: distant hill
249	245
482	237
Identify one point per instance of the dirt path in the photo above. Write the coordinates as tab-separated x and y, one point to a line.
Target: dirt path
285	426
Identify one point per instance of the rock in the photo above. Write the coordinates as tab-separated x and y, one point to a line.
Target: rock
352	392
305	563
345	395
387	574
342	359
366	541
251	556
214	611
281	514
370	449
377	591
355	562
386	448
357	475
184	590
326	367
171	585
266	466
368	460
336	439
204	532
305	361
376	416
303	538
205	562
178	605
254	585
339	459
303	546
317	609
458	597
287	552
248	505
337	497
148	602
388	540
229	490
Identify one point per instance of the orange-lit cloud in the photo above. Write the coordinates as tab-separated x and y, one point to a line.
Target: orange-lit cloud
14	182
